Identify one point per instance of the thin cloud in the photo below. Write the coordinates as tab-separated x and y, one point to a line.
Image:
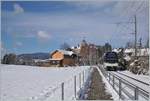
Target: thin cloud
19	44
18	9
92	4
43	35
128	8
70	25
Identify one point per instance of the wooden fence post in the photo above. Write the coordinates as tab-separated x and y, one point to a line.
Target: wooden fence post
75	86
62	91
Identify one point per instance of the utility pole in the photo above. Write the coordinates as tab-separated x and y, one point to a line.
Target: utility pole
135	33
135	41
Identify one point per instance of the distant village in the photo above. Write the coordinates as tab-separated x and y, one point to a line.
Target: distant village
85	54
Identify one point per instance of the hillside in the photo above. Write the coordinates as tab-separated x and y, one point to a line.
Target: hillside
34	56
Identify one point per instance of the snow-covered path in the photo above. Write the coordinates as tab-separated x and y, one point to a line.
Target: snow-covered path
29	82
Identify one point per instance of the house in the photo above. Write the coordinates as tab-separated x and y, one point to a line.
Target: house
129	52
43	63
63	58
140	52
88	53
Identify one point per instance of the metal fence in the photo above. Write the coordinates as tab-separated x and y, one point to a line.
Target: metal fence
124	88
67	90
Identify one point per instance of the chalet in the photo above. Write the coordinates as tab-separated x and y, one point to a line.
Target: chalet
63	58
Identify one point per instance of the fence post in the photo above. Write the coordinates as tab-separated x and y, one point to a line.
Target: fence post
62	91
120	88
75	86
136	93
83	76
113	82
109	77
80	80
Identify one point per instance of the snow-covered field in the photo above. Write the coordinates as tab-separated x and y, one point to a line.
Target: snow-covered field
22	83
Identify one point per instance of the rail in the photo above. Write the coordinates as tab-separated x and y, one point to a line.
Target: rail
119	84
134	79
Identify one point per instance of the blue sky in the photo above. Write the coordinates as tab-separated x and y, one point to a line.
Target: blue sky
29	27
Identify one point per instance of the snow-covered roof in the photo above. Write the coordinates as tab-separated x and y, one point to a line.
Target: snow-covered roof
140	52
66	52
143	52
75	47
56	59
129	50
116	50
46	60
40	60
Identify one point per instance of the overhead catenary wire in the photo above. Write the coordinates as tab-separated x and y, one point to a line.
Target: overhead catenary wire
130	21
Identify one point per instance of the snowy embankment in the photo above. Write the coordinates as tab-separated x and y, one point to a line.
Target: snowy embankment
22	83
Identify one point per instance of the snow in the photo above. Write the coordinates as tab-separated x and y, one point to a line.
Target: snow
129	50
66	52
127	58
116	50
23	83
140	52
143	52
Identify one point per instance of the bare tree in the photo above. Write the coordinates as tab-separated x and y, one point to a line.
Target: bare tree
107	47
147	43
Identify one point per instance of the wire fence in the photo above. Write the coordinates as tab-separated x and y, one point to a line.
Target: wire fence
67	90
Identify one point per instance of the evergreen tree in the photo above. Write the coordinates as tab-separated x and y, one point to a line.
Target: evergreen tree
9	59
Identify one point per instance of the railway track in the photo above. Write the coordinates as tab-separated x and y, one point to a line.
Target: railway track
140	84
124	84
139	88
134	79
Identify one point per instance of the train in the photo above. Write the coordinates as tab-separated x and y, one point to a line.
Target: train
111	61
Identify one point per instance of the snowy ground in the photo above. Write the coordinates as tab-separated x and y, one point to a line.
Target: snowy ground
22	83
